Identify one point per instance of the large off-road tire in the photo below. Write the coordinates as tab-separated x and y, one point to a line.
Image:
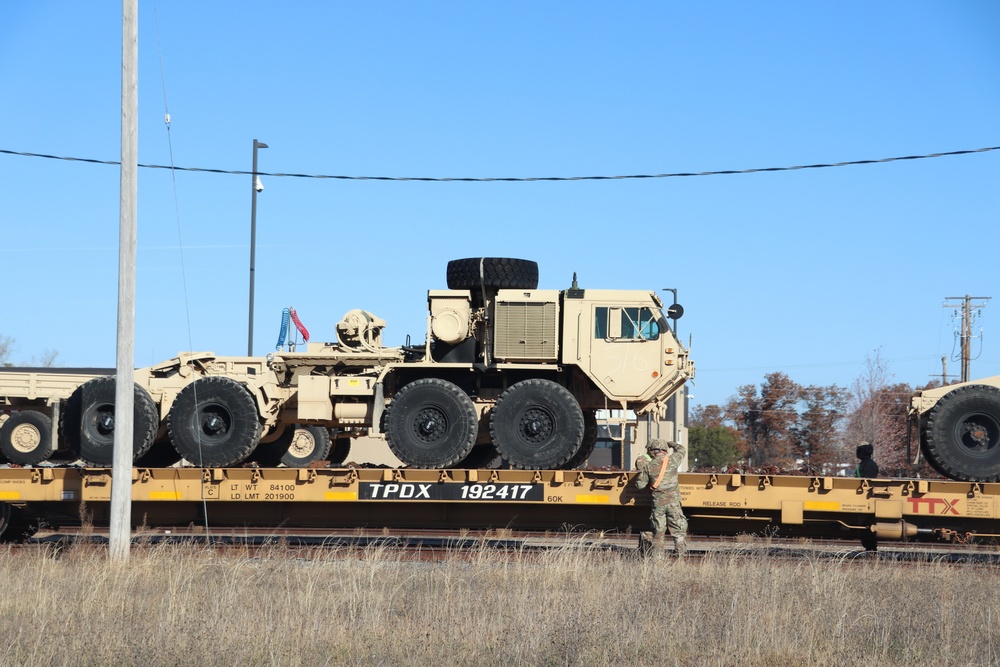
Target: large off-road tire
962	434
214	422
492	273
589	441
270	449
481	456
431	423
26	438
15	524
340	449
295	447
537	425
308	445
161	455
87	424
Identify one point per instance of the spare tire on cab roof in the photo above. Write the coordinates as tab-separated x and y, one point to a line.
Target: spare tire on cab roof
492	273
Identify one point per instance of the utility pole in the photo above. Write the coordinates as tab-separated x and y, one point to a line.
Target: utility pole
944	370
120	529
255	187
967	312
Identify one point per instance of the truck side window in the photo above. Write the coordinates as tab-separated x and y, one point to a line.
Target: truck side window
628	323
639	324
601	322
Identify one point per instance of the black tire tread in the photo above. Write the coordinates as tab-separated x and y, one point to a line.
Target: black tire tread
589	441
447	396
480	457
145	422
568	429
161	455
268	454
321	435
945	455
340	449
497	273
43	423
236	399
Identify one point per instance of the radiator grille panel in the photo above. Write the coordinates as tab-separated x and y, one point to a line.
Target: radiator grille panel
526	331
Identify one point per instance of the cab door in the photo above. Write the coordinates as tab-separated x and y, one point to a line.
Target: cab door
626	349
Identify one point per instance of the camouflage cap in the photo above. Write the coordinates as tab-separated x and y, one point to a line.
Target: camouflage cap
659	444
656	445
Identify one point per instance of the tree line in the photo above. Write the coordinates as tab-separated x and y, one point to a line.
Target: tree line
812	429
7	347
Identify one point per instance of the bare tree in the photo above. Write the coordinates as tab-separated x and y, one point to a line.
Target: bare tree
6	347
878	414
48	359
765	421
818	431
707	416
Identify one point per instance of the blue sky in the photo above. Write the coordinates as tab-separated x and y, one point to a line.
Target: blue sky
806	272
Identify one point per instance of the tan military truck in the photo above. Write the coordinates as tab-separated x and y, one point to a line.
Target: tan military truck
505	370
959	428
30	400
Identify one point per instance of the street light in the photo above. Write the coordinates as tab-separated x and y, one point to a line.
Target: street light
674	412
674	311
255	187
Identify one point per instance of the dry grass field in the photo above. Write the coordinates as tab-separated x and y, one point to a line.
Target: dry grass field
181	605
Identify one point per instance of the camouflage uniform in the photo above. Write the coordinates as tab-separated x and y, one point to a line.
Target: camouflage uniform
667	512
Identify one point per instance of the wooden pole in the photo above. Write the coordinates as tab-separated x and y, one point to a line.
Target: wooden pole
120	535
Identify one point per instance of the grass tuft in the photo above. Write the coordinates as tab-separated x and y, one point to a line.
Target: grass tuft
187	604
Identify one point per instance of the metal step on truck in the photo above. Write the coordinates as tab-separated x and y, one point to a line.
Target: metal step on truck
505	370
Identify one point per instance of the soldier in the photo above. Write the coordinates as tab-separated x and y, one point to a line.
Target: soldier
866	464
659	473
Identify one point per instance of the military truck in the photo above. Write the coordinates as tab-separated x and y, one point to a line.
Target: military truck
505	370
30	401
959	428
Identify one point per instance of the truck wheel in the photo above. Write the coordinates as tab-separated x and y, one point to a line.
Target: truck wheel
268	454
339	451
15	525
161	455
963	434
431	423
589	441
481	456
309	444
492	272
88	422
214	422
537	425
26	438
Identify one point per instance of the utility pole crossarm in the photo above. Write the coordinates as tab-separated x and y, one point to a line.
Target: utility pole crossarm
967	308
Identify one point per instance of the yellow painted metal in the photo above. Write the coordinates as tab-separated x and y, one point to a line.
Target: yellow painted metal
792	512
711	499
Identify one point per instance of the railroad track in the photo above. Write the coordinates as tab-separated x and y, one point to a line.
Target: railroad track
438	544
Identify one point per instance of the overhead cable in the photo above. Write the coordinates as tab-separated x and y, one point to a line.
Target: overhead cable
512	179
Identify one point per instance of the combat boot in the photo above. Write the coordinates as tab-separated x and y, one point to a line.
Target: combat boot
680	545
659	545
645	543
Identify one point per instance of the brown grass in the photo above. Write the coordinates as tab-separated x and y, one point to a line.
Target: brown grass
185	605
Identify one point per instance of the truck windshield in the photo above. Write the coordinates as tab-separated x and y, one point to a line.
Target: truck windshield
632	323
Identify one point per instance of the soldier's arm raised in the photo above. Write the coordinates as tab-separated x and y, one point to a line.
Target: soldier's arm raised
677	457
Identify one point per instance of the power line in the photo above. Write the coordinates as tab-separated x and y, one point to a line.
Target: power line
516	179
